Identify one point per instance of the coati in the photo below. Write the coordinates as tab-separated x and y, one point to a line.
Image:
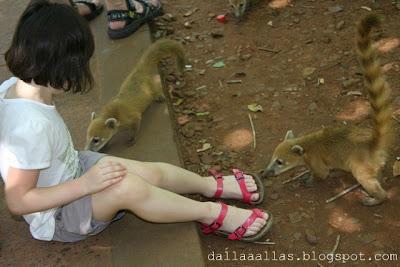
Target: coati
239	7
361	151
137	92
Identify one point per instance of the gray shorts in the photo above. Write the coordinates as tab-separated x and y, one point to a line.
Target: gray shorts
74	221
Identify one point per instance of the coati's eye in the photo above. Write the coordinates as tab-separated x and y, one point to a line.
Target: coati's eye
96	140
279	162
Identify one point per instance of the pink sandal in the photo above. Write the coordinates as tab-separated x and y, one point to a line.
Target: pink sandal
246	195
238	234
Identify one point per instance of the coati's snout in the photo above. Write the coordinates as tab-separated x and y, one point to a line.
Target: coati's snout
100	132
286	156
238	7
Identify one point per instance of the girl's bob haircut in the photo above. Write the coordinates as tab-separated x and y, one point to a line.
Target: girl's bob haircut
52	46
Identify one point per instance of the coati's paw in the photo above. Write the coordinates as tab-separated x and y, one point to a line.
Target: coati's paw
370	201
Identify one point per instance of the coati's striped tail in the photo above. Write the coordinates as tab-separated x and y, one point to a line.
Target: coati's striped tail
160	49
377	87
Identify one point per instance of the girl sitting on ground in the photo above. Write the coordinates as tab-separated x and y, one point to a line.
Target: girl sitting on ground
68	195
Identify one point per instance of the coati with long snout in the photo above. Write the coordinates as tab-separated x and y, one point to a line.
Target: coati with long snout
361	151
137	92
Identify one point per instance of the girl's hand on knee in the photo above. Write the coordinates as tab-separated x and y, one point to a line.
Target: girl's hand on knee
102	175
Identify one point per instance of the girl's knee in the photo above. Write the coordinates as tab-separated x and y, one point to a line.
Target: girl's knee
131	188
155	173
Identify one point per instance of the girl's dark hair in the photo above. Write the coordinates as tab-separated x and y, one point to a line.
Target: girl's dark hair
52	46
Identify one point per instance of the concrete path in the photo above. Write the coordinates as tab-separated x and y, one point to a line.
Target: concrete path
130	241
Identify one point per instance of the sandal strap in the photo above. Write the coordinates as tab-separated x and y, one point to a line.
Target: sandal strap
220	182
146	4
241	230
211	228
123	15
118	15
239	175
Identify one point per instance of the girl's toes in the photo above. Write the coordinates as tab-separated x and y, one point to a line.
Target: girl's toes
255	196
251	188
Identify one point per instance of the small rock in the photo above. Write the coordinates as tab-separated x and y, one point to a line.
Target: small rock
274	196
366	238
182	120
206	159
245	57
350	82
311	237
194	158
378	244
187	24
187	130
276	105
170	78
340	25
326	39
295	217
336	9
268	183
308	71
297	236
217	32
312	108
354	93
169	17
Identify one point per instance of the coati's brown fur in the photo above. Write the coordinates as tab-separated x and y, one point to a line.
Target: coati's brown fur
361	151
137	92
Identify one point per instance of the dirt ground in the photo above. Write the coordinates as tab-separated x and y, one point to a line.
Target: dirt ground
297	62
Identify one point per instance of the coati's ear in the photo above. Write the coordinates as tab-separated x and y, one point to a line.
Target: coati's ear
298	150
289	135
111	123
93	115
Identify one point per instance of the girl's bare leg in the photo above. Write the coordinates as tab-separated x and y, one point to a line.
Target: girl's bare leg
155	204
181	181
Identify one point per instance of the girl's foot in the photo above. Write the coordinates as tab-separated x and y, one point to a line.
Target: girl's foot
230	187
88	8
126	16
249	224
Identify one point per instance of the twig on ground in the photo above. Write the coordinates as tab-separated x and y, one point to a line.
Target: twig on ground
307	6
396	119
233	81
333	252
351	188
253	131
296	177
268	50
266	242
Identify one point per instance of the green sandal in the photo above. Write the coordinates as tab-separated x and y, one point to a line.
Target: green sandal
133	19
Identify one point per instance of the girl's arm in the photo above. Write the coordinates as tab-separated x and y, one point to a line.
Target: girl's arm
23	197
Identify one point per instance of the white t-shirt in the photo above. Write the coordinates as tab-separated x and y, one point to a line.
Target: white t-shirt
34	136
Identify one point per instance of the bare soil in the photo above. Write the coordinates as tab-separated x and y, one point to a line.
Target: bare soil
298	63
